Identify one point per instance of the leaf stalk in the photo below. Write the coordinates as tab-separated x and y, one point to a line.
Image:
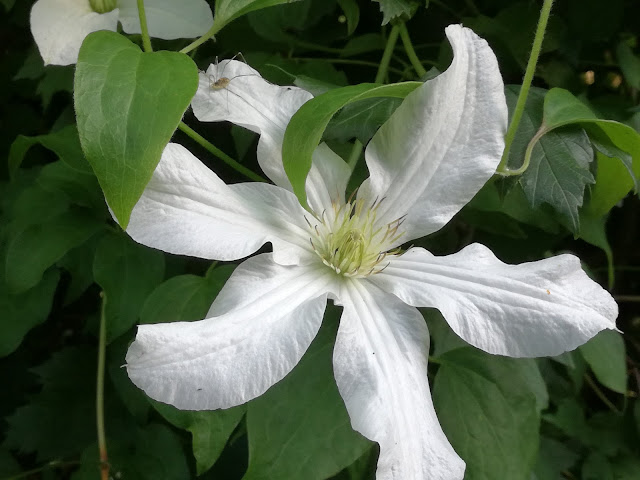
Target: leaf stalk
219	153
146	40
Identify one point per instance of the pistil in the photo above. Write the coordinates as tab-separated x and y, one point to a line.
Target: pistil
351	243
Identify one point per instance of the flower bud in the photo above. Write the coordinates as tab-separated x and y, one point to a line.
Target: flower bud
103	6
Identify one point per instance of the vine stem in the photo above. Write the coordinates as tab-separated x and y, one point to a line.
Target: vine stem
199	41
386	55
102	346
524	91
146	40
627	298
383	68
219	153
411	53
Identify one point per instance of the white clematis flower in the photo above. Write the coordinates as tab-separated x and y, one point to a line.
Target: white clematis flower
429	159
60	26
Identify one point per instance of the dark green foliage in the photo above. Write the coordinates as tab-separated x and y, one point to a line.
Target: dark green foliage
571	417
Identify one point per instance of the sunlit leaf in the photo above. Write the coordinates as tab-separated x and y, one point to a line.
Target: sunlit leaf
128	105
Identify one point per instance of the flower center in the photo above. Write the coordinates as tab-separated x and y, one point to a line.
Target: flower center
348	240
103	6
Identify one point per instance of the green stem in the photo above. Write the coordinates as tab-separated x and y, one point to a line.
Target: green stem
383	68
526	85
102	345
601	395
199	41
219	153
146	41
386	55
527	154
411	53
627	298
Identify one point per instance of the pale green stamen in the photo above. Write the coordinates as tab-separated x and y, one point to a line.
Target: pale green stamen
103	6
350	242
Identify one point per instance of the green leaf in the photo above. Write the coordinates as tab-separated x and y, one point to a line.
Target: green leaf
392	9
78	187
361	120
514	204
490	412
150	453
592	230
611	138
613	183
228	10
352	13
629	64
128	105
597	467
559	168
569	418
210	430
184	297
605	354
34	249
64	143
60	419
128	273
554	457
307	125
56	79
559	172
300	428
20	313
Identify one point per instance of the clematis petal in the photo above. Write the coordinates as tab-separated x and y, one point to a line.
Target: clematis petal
443	143
60	26
327	180
380	364
235	92
168	19
529	310
187	210
227	360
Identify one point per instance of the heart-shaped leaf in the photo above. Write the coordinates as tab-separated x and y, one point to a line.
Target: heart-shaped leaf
128	104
